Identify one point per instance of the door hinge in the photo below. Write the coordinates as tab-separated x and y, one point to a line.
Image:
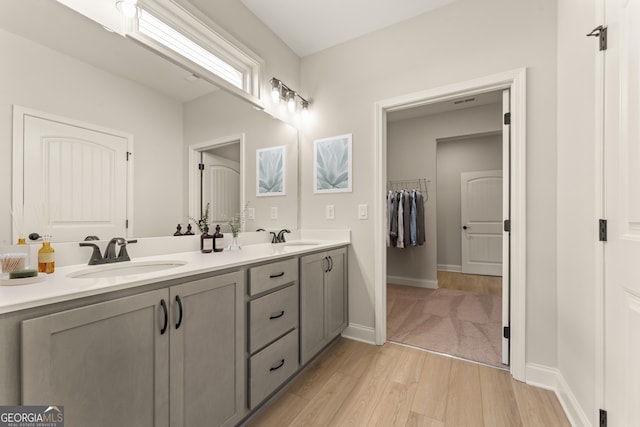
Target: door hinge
507	225
601	32
129	153
507	118
602	230
506	332
201	166
603	418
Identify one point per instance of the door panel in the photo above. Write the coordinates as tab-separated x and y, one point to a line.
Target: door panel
506	215
481	222
106	363
75	181
207	350
221	187
622	210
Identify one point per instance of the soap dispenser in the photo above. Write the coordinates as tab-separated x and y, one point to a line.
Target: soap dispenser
218	240
46	256
206	241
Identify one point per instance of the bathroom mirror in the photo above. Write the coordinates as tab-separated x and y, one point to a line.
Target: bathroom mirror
68	66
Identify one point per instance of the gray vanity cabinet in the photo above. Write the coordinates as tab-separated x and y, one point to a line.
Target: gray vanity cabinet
124	362
207	352
106	363
273	327
323	300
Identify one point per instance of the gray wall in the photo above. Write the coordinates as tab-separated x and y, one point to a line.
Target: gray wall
462	41
473	153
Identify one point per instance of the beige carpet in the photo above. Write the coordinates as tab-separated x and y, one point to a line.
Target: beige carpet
459	323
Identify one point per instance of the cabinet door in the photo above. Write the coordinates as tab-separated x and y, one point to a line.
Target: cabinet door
312	305
336	284
207	352
106	363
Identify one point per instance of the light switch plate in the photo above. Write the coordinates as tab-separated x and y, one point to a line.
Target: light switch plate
274	212
251	213
363	212
331	213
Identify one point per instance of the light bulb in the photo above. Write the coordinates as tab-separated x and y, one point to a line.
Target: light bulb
291	102
275	94
305	110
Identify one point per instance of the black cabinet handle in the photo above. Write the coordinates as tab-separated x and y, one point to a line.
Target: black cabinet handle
278	366
464	227
166	317
274	276
326	268
330	263
276	316
179	301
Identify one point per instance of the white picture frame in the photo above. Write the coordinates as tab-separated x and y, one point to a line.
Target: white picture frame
270	171
332	164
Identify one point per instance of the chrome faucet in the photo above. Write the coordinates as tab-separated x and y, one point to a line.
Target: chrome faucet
110	252
280	236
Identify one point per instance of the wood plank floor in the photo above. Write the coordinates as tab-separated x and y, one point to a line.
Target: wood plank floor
487	285
357	384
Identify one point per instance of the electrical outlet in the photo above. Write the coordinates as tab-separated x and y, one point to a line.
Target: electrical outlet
274	212
331	213
251	213
363	212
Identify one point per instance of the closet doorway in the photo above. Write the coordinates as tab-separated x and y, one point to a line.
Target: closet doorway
456	147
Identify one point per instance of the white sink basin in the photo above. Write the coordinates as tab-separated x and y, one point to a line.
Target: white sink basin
127	268
298	246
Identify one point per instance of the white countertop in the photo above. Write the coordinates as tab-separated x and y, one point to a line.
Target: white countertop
58	286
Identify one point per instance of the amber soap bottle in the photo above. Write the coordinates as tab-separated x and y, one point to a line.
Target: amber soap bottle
46	256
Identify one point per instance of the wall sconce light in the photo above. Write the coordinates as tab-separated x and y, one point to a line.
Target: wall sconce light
282	92
129	8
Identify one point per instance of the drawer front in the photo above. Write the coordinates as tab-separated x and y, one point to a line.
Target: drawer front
272	366
271	316
272	275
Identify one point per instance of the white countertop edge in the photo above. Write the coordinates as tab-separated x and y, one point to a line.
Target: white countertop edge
58	287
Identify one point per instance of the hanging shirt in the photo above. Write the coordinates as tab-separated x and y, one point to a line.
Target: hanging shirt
400	243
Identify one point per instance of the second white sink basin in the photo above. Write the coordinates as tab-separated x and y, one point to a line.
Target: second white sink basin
127	268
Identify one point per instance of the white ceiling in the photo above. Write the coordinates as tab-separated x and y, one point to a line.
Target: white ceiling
308	26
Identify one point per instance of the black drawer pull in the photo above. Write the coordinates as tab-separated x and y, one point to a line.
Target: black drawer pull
277	316
280	365
166	317
275	276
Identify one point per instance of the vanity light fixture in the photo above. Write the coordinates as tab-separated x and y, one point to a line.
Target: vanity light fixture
280	91
129	8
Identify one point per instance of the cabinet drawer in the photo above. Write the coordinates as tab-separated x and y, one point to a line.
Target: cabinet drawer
272	366
271	316
272	275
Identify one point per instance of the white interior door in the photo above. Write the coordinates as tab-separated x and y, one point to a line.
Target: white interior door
74	180
221	187
506	215
622	209
481	216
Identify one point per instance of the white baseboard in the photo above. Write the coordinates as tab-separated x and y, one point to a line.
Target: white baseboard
360	333
450	267
408	281
551	379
